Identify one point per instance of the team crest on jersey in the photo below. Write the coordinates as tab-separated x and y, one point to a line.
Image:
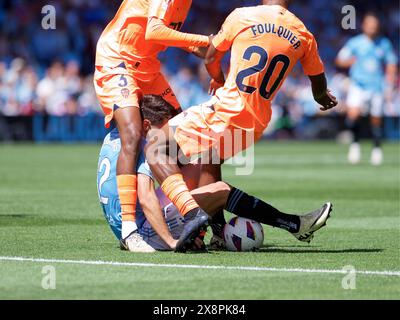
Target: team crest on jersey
125	93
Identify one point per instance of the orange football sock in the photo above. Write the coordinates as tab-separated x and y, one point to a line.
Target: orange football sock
176	190
127	186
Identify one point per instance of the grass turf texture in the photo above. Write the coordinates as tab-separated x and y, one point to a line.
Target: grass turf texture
49	209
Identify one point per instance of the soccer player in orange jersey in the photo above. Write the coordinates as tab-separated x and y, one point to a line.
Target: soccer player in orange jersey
266	42
127	68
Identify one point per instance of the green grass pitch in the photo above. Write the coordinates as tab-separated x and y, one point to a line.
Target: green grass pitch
49	210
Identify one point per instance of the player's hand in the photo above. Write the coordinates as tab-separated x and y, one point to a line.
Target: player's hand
211	38
389	94
346	63
327	101
198	244
200	52
172	244
352	61
214	86
349	62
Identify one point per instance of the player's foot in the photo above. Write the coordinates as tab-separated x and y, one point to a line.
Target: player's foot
376	156
354	155
135	243
217	243
312	222
196	222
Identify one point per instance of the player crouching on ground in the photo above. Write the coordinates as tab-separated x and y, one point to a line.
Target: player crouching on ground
160	222
151	222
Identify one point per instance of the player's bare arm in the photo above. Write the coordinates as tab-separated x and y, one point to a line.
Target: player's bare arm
321	93
152	210
391	80
391	74
128	122
345	63
213	64
199	52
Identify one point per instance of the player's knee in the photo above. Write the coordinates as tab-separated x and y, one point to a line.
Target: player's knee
221	190
376	121
221	187
353	114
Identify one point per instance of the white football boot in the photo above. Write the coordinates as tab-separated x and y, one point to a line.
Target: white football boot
354	155
376	156
135	243
313	221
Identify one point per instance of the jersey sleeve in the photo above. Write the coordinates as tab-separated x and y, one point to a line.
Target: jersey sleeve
160	9
311	61
142	164
224	39
159	32
390	56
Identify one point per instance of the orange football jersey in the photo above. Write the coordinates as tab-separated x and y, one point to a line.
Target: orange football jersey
123	40
266	42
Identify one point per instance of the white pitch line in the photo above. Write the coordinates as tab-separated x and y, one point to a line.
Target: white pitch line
193	266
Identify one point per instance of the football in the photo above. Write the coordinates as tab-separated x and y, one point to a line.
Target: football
243	234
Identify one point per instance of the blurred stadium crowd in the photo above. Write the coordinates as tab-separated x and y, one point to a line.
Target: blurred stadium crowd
50	71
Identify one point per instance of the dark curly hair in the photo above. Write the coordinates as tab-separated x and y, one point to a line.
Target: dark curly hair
155	109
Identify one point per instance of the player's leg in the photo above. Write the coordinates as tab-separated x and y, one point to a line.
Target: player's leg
195	131
213	197
220	195
164	165
175	224
353	122
376	128
301	226
355	100
118	94
211	173
231	142
191	174
128	122
162	155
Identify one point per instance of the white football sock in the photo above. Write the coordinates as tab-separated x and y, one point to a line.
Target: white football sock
127	228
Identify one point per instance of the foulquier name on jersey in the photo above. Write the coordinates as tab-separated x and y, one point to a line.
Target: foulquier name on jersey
280	31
